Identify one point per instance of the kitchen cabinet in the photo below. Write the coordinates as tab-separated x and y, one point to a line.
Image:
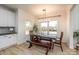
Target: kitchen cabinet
11	19
2	17
7	40
7	17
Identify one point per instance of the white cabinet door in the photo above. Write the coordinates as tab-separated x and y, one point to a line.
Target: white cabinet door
7	40
7	17
11	19
3	41
11	39
3	17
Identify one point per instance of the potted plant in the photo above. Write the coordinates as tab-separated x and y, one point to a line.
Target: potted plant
35	29
76	36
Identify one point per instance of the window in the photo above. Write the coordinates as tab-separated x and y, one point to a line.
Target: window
28	23
43	26
53	27
28	27
49	27
52	24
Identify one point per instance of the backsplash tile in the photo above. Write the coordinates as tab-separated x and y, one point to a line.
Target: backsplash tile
6	30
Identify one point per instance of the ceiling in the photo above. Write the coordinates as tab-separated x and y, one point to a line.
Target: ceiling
36	9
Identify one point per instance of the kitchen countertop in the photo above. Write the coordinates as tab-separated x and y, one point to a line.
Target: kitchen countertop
7	33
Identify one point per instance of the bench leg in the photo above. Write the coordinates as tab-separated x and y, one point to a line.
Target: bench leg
53	46
77	48
30	45
47	51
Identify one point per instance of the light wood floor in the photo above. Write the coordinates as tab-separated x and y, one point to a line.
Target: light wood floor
36	50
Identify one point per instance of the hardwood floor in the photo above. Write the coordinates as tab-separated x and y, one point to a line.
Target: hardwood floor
36	50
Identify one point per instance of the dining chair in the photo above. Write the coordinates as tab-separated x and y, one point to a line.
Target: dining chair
58	41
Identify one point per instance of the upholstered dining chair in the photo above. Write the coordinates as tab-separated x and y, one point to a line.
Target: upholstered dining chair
58	41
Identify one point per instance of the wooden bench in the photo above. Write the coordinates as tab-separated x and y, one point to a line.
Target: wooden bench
41	41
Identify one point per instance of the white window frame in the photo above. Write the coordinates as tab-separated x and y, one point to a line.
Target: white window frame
48	25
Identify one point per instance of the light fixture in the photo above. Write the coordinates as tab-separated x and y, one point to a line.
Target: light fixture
44	10
44	16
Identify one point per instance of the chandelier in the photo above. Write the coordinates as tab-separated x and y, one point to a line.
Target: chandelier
44	13
44	17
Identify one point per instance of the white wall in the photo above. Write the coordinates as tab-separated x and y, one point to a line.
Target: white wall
72	24
69	30
74	18
63	26
22	17
69	27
